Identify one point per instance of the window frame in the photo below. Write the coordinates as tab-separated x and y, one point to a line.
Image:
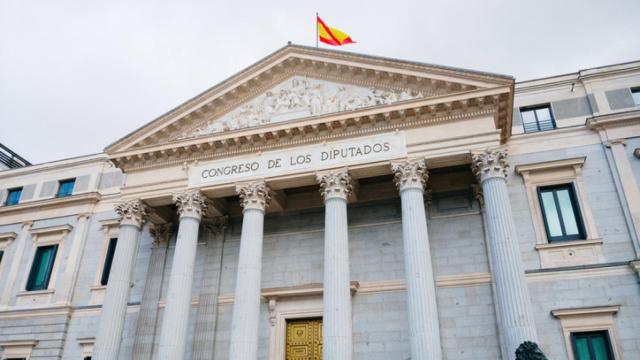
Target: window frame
13	190
607	337
60	184
635	90
582	234
533	109
30	286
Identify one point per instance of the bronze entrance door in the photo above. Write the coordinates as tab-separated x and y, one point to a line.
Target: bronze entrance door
304	339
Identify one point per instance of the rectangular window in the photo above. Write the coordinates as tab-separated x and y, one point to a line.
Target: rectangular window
594	345
635	92
14	196
41	268
537	118
561	212
1	255
65	187
108	260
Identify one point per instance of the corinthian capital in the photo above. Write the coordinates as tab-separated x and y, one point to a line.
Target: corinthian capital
410	174
335	184
131	212
216	225
161	233
490	163
191	203
254	195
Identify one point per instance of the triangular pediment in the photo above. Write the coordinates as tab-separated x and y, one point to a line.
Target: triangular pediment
300	97
299	82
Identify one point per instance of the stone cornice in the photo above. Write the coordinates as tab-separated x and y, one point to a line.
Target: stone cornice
86	198
405	114
300	58
595	310
613	120
551	165
63	229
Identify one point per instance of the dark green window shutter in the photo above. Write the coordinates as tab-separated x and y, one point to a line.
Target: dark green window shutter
108	260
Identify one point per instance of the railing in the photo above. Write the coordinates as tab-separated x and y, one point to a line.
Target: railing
11	159
539	126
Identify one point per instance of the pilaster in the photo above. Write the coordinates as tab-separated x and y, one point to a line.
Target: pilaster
205	332
148	317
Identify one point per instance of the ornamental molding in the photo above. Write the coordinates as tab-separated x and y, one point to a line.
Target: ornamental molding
294	59
335	184
216	226
299	97
489	164
191	203
577	162
431	94
254	195
6	239
132	212
271	139
410	174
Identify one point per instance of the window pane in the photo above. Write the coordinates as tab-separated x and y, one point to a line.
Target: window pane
600	350
14	196
42	273
543	114
66	188
582	349
551	213
636	96
41	268
568	216
528	117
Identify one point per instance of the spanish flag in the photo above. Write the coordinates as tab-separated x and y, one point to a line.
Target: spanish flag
332	36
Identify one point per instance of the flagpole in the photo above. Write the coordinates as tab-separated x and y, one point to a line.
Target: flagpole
316	22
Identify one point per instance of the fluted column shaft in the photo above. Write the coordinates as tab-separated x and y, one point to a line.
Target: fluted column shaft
512	293
173	336
114	307
424	328
254	198
337	337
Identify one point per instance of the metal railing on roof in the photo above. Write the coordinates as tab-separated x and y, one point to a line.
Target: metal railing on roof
11	159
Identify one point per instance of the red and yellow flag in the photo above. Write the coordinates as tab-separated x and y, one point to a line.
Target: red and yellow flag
332	36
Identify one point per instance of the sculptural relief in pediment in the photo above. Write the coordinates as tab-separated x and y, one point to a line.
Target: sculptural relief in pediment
300	97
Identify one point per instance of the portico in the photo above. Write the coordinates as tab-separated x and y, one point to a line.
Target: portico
288	135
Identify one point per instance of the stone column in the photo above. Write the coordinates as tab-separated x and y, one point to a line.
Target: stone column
515	316
173	335
335	187
114	308
424	329
254	198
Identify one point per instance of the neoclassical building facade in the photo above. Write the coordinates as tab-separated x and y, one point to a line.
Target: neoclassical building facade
331	205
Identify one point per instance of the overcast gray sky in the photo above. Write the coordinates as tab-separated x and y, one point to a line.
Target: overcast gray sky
77	75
